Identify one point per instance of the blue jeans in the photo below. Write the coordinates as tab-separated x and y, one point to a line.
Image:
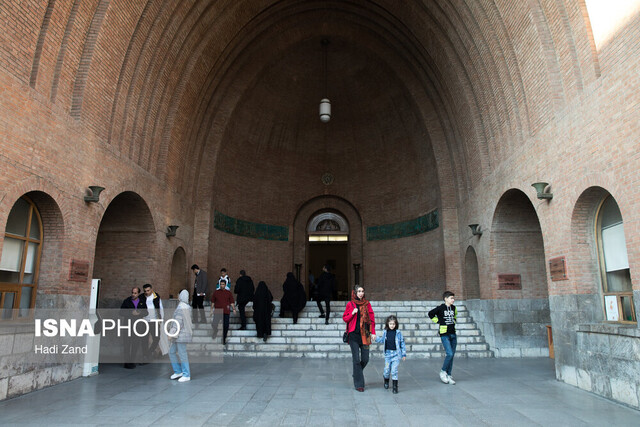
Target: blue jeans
181	367
391	362
449	342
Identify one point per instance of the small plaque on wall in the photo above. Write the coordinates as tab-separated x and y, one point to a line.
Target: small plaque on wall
79	271
509	282
558	268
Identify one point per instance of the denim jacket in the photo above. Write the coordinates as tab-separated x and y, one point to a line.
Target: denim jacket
400	347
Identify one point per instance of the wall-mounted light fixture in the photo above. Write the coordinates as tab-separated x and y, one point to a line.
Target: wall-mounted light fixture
94	197
543	190
325	104
475	229
171	230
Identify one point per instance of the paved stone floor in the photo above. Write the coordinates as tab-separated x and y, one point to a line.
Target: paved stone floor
296	392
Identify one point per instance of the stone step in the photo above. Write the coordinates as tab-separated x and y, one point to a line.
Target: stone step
311	337
231	339
334	355
326	347
461	328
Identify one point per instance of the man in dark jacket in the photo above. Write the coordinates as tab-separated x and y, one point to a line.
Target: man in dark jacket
199	292
244	291
326	285
132	308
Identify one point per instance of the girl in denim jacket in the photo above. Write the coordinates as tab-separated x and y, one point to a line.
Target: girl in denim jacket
394	349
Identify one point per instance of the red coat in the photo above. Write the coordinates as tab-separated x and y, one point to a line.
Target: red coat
223	299
350	318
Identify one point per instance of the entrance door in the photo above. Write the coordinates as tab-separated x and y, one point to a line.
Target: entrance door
328	240
336	255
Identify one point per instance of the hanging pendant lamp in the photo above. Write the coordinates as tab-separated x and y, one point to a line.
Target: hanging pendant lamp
325	104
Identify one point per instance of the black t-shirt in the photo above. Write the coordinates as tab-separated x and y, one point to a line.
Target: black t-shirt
390	343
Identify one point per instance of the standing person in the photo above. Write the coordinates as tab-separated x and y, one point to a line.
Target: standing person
445	315
178	350
312	286
199	292
222	300
156	312
244	291
361	328
393	350
294	298
224	276
132	309
262	300
326	285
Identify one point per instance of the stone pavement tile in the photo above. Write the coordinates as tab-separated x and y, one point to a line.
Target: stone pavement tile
548	415
255	407
268	420
232	406
433	420
295	417
320	417
504	415
84	409
368	419
468	419
275	391
265	392
341	416
220	417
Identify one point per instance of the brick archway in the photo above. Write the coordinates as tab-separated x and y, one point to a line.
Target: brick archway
517	248
346	210
471	275
125	242
179	273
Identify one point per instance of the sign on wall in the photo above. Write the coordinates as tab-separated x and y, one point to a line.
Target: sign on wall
509	282
79	270
611	307
558	268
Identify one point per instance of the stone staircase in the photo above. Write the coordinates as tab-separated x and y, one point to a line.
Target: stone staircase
310	337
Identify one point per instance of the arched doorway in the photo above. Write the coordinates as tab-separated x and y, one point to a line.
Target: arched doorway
328	244
306	216
179	273
124	249
471	276
517	293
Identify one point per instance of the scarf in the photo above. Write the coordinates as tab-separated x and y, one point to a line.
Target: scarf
365	322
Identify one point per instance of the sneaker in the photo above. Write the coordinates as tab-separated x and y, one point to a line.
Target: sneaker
451	381
175	376
444	377
184	379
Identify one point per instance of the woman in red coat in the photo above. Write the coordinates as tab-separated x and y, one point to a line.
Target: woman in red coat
361	328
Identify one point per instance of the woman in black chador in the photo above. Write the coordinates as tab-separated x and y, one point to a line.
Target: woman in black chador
262	300
294	298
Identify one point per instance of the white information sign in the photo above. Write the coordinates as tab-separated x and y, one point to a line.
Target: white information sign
611	307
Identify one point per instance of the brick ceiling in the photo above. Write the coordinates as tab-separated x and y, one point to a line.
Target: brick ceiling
172	84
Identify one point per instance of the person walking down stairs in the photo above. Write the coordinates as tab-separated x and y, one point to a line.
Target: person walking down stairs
221	305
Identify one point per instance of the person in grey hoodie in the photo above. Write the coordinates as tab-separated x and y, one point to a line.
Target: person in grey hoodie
184	329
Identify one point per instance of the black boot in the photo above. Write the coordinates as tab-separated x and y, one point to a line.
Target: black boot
386	383
395	386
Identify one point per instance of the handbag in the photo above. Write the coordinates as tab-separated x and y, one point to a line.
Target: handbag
345	335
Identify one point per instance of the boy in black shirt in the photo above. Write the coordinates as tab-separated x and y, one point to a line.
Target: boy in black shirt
445	316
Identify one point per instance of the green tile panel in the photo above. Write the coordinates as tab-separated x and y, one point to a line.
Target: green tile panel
407	228
255	230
